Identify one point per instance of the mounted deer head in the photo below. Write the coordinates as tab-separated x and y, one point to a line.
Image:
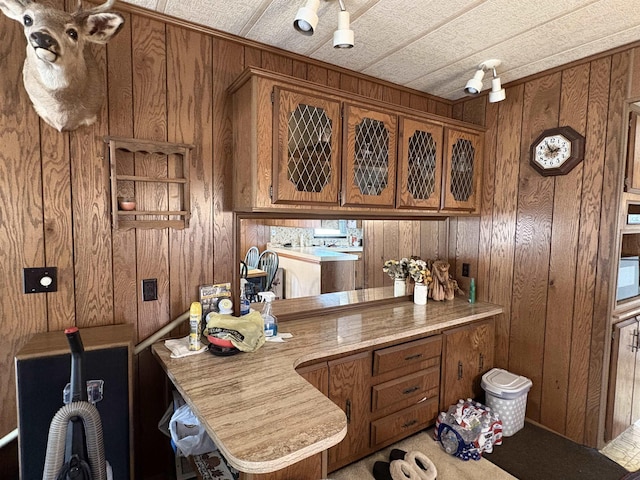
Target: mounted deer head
60	74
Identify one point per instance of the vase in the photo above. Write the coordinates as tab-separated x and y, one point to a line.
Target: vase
420	294
399	287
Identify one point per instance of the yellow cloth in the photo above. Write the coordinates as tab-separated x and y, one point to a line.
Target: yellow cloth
245	332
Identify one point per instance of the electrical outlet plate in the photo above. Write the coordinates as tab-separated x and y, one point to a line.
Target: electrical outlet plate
465	269
40	279
149	289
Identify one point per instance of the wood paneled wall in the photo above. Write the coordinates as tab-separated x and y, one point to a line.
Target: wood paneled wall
545	245
165	81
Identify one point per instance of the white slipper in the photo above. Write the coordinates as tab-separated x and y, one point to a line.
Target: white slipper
422	465
403	470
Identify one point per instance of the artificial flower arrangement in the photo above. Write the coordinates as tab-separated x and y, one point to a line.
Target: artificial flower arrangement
419	271
397	269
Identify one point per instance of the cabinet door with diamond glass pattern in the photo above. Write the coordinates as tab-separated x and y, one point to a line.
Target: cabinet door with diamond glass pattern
419	164
462	170
306	148
369	159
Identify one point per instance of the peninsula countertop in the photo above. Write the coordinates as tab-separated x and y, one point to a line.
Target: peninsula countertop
317	254
261	414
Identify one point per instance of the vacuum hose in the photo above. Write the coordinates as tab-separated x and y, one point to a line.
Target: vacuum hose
90	417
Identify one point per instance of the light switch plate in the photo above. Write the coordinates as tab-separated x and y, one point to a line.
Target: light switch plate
40	279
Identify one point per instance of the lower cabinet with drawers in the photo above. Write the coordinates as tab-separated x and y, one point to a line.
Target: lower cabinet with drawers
390	393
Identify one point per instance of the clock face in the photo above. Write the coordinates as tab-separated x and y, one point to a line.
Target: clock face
556	151
552	151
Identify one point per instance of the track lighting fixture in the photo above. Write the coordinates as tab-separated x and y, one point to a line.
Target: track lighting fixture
307	18
497	93
306	21
343	37
474	85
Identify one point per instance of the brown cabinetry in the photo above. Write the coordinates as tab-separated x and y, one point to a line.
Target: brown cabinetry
419	164
468	352
462	170
306	148
623	400
405	389
369	157
303	147
349	388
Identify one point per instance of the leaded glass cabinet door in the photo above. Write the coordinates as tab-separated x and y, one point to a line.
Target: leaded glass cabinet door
419	164
369	159
306	148
462	170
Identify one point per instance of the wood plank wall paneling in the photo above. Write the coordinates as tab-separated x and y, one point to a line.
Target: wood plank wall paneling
563	258
611	189
532	249
166	82
546	244
163	82
585	278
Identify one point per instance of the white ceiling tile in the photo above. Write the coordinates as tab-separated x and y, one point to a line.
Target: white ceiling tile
430	45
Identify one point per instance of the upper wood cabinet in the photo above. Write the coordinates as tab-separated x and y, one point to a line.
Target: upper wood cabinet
419	164
369	157
305	148
462	170
301	147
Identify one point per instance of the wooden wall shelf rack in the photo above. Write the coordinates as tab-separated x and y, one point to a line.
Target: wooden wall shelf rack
176	157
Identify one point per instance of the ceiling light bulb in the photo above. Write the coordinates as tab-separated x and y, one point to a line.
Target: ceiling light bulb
474	86
343	37
307	18
497	93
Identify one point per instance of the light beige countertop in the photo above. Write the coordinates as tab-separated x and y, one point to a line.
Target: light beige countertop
261	414
316	254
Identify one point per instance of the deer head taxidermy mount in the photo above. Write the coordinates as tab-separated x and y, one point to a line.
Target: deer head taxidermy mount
60	74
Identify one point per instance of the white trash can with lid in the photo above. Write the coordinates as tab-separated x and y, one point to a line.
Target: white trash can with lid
506	393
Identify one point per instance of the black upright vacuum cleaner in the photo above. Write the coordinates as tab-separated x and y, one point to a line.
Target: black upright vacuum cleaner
75	447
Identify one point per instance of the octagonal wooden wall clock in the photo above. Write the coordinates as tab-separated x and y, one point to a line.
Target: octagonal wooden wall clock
557	151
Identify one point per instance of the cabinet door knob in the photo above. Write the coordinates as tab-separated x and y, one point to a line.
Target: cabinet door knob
348	411
459	370
481	363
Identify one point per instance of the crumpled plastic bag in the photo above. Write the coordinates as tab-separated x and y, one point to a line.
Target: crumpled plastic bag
246	333
188	434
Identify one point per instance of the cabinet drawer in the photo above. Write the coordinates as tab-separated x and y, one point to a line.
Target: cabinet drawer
406	390
403	423
410	356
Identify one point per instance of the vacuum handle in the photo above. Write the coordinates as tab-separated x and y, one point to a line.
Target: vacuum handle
77	382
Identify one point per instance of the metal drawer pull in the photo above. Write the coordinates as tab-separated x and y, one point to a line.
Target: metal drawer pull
413	357
406	391
410	423
481	363
459	370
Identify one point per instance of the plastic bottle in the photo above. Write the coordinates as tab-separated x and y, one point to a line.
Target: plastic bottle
244	301
472	291
270	320
195	320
